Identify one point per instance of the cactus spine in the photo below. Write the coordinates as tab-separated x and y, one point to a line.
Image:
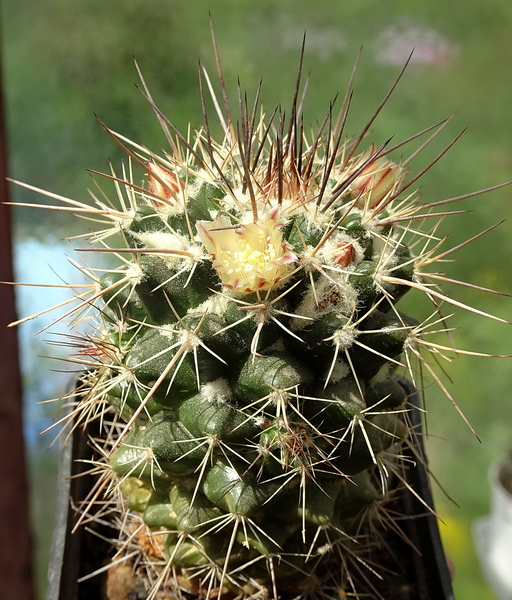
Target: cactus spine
244	352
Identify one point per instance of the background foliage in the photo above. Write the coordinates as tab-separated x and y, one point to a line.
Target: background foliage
65	59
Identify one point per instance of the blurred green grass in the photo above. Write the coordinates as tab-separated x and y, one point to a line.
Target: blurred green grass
65	59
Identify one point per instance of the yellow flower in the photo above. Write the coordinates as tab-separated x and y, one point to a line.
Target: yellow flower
247	257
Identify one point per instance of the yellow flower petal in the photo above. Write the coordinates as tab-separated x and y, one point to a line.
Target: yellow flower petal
247	257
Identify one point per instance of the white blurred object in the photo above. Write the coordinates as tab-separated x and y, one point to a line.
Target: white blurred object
395	44
493	533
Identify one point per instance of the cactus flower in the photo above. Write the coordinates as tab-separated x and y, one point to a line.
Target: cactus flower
248	257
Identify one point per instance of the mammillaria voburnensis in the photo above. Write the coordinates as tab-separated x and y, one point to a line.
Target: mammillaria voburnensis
243	356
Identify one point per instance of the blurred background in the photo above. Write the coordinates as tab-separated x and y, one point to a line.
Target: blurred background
66	59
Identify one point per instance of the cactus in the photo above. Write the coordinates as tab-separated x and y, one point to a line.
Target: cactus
244	353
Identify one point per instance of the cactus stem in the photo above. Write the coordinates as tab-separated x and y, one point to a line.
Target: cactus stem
242	365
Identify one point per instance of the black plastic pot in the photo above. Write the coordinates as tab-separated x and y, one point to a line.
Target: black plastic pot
432	577
419	564
74	554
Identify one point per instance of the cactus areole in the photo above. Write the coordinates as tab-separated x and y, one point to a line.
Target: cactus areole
242	356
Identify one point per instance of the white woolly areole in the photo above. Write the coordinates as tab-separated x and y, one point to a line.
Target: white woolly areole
344	338
410	343
174	207
339	297
373	226
203	177
217	391
126	220
190	340
242	201
186	338
118	327
323	220
279	397
126	374
290	203
216	304
384	252
134	272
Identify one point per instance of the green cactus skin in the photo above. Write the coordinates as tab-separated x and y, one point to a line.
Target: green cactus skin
245	355
255	416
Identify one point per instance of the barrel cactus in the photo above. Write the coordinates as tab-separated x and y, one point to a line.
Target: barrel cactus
243	355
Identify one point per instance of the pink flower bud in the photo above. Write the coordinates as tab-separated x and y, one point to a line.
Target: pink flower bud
345	255
378	179
162	183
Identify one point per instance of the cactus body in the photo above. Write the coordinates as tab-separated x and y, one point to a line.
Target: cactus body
246	350
256	373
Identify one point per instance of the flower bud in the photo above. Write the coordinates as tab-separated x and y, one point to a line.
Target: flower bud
162	183
378	179
345	254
